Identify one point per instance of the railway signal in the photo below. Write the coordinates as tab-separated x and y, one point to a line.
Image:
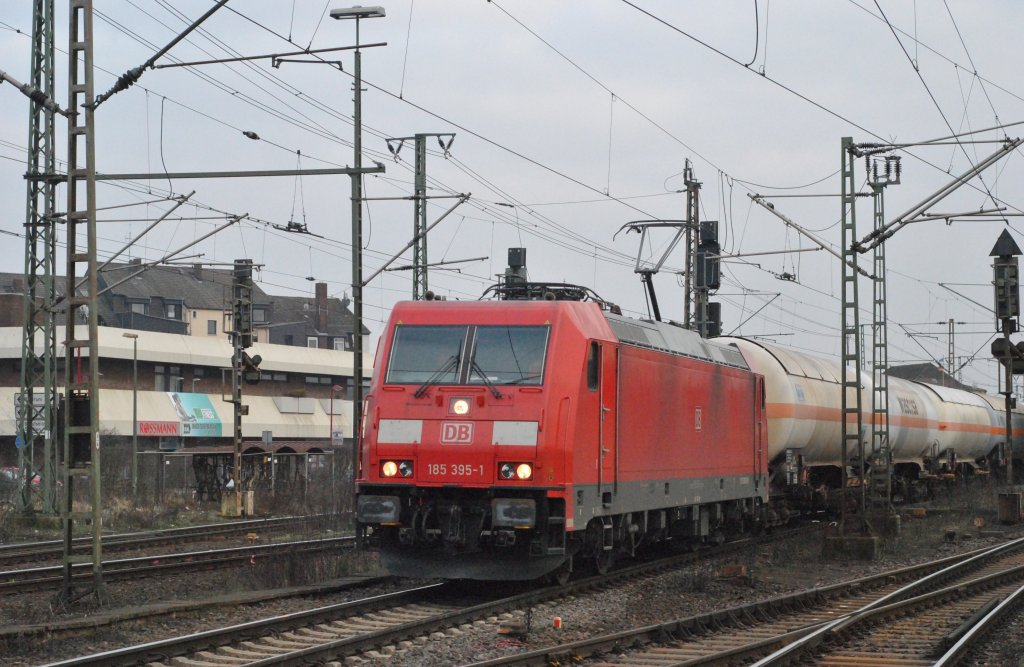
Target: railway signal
243	367
1006	280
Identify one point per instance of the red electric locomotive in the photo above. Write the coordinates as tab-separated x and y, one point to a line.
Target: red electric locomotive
514	438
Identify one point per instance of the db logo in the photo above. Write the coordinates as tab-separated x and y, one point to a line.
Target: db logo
456	433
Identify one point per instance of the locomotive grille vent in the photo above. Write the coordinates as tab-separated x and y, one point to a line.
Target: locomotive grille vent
673	340
629	333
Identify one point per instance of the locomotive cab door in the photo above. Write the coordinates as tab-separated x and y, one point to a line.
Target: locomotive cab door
608	438
760	431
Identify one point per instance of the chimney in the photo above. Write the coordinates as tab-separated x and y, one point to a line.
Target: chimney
18	285
321	307
197	271
135	261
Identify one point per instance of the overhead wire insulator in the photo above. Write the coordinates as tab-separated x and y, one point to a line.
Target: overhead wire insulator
445	148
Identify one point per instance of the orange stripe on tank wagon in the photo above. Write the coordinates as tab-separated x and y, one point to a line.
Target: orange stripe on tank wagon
819	413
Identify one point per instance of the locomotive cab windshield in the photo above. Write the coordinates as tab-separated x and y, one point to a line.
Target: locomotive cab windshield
498	355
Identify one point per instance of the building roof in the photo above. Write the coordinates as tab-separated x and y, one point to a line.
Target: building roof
303	311
200	351
201	288
15	283
198	287
929	373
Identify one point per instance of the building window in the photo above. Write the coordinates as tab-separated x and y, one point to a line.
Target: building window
259	315
312	341
280	377
167	378
312	379
174	311
341	343
211	327
139	308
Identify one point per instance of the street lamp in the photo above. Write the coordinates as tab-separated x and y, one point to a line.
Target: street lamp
357	13
135	412
334	389
194	380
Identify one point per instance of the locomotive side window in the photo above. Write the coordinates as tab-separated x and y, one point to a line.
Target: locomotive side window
426	354
508	355
594	366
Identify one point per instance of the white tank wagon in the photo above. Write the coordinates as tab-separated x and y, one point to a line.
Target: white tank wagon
998	417
914	433
931	428
965	421
803	401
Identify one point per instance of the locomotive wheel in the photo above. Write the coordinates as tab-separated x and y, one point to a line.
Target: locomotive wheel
603	561
562	575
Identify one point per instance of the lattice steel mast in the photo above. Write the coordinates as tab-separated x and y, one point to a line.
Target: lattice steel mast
851	403
879	492
691	309
81	362
419	227
36	416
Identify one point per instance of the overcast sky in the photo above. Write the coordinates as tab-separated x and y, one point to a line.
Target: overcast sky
571	119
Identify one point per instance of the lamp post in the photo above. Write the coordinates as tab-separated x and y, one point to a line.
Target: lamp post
135	411
194	380
334	389
357	13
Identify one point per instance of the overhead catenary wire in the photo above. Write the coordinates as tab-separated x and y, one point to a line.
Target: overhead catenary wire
795	92
938	107
307	97
520	209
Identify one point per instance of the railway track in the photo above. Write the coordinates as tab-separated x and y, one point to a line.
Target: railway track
355	627
919	627
230	602
837	625
14	554
49	577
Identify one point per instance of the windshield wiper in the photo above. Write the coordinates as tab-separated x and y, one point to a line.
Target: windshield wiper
524	378
453	362
487	381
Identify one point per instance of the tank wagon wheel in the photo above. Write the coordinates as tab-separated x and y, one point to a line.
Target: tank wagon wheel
603	561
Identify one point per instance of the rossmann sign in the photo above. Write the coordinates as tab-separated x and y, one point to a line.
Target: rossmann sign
159	428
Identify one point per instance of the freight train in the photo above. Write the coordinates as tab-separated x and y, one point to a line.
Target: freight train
526	436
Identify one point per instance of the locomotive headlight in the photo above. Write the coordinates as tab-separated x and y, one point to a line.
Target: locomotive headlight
389	469
405	468
460	406
515	471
